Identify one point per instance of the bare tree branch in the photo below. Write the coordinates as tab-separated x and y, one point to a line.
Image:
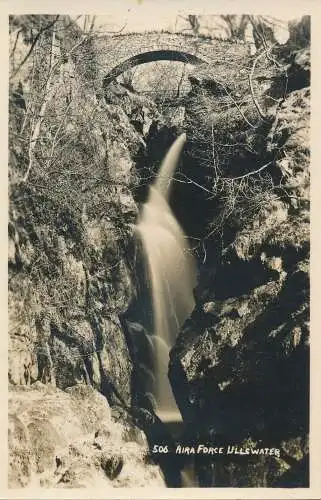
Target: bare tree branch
54	141
92	25
253	172
47	96
260	112
11	55
40	32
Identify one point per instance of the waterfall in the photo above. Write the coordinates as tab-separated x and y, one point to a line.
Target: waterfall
172	274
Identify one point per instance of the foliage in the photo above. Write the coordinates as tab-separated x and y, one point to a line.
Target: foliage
229	115
70	211
59	129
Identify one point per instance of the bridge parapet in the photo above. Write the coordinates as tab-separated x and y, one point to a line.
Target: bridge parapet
116	50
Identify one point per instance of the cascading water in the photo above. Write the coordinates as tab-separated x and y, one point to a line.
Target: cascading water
172	274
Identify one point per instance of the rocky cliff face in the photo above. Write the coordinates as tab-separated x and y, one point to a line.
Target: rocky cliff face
70	262
241	363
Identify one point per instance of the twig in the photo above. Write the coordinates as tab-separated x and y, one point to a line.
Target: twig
260	112
253	172
236	104
205	253
54	141
40	32
191	181
181	81
11	55
36	130
213	151
91	29
29	103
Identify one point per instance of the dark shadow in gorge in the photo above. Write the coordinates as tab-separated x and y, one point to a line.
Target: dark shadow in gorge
277	413
157	433
191	208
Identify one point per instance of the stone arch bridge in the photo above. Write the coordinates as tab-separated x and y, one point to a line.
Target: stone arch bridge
119	53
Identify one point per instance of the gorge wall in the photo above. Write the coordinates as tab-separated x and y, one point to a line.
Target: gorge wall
240	367
70	264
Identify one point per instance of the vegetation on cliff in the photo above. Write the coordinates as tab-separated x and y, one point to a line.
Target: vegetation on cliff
70	231
241	363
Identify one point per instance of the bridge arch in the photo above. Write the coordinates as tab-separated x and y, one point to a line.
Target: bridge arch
151	56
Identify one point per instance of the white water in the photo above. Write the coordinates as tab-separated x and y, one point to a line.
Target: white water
172	275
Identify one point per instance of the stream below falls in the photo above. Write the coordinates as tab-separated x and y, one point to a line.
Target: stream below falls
171	272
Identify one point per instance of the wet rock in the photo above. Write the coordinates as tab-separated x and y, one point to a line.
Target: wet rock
239	368
53	437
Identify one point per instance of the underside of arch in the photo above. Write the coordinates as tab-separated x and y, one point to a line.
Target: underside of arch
151	56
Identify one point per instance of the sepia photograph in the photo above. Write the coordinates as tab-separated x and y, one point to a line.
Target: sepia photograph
158	249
